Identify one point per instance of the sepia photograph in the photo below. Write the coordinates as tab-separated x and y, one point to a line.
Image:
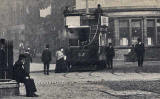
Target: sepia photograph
79	49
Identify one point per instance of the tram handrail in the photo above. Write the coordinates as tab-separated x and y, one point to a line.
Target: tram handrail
93	36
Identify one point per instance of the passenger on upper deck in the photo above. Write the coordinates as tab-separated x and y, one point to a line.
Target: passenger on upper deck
98	12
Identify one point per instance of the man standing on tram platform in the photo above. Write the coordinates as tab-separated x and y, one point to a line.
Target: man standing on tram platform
98	13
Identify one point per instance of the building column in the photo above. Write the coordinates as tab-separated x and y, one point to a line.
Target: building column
130	32
156	33
144	35
116	31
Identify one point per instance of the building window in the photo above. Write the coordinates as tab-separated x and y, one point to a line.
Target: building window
150	32
124	32
158	31
110	32
136	30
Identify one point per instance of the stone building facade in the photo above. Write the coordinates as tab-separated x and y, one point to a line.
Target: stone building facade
16	19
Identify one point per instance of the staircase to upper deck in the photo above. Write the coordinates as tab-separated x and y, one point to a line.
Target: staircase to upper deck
93	33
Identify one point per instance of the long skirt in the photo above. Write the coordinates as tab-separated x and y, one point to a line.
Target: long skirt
61	66
30	86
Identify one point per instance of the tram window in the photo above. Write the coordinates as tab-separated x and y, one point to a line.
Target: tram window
83	34
73	42
80	36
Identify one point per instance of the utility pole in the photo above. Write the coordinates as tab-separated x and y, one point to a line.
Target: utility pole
87	9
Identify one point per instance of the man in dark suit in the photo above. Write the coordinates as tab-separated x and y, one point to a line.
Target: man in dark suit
2	60
110	53
140	51
46	59
21	76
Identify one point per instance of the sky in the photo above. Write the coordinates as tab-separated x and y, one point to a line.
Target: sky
45	12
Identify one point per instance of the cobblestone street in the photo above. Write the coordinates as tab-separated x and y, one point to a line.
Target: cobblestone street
88	85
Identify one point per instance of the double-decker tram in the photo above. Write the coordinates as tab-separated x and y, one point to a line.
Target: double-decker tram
86	39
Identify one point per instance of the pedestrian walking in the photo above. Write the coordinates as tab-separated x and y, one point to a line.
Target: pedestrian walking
110	53
21	76
61	65
140	51
28	60
46	59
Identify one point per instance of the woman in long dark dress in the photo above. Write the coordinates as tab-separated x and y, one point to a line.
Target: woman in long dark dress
60	62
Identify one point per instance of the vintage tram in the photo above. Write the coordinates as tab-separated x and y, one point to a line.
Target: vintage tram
86	36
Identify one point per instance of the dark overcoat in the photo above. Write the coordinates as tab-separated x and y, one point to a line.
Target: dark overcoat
28	60
139	49
46	56
2	57
110	53
19	74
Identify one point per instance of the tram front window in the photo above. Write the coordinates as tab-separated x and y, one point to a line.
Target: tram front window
79	36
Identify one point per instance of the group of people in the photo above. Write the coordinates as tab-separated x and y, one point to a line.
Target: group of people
61	63
138	49
21	67
21	70
21	75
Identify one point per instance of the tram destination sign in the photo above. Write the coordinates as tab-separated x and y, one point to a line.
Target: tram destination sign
104	21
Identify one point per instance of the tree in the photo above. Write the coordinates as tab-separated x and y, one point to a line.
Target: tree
42	4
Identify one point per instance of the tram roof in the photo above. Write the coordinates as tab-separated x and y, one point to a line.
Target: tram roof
74	27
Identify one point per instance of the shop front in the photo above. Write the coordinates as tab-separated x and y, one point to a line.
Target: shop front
127	26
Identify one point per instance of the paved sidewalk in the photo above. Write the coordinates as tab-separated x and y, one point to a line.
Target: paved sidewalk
121	71
38	67
78	85
120	65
